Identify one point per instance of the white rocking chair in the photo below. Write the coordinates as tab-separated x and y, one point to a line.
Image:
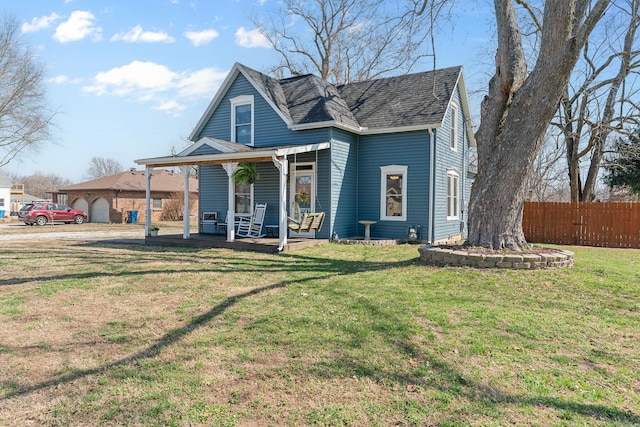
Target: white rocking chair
252	226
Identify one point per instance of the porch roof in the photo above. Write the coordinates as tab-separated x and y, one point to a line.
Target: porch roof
253	154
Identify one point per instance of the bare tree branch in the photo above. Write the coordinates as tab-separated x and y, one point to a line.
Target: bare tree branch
350	40
24	119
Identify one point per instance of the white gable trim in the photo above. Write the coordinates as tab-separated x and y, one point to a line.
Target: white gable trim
464	100
211	142
266	98
228	81
226	84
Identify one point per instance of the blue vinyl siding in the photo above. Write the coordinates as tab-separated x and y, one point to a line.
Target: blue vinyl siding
409	149
203	150
446	159
348	175
323	184
269	128
344	191
213	190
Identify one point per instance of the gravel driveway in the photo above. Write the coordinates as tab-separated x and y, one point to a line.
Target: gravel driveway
13	232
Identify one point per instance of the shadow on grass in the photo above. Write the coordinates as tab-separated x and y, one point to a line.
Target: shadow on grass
138	262
447	379
239	264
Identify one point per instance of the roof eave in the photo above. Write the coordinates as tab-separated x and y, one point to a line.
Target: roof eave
466	108
253	155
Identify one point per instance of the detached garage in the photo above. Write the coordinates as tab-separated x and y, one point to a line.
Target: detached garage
113	198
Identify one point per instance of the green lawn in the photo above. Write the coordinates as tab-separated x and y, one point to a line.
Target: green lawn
98	334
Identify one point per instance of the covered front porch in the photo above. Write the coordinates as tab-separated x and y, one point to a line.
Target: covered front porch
225	157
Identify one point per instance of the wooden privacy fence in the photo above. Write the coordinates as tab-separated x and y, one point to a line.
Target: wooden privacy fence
615	225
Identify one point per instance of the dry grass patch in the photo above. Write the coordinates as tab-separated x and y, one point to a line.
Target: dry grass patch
106	334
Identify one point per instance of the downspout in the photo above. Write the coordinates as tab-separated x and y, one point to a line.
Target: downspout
432	184
358	183
464	175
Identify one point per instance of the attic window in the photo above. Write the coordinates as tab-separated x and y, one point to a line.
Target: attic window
454	128
242	119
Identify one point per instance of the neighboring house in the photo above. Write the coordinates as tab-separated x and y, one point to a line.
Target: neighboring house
19	199
5	195
392	150
112	198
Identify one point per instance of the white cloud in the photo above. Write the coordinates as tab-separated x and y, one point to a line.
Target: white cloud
62	79
38	24
201	83
172	107
156	83
198	38
136	34
77	27
252	38
137	76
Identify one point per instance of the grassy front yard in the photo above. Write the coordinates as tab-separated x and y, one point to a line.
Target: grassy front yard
99	334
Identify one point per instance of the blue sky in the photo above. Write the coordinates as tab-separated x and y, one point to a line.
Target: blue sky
130	79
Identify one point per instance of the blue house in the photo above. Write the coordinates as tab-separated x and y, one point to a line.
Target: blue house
393	151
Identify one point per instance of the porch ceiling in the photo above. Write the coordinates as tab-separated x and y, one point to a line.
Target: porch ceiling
263	154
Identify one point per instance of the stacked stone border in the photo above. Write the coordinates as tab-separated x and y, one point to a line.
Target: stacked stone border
547	259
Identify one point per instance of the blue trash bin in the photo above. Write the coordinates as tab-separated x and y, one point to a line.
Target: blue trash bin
132	217
1	213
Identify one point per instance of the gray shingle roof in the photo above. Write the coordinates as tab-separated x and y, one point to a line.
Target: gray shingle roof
312	100
408	100
401	101
134	180
270	87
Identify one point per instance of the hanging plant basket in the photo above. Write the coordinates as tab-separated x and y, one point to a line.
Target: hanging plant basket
246	173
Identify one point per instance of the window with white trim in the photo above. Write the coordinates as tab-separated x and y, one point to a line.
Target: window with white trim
453	143
393	191
242	119
244	198
453	198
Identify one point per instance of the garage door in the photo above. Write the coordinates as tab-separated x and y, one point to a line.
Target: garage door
99	211
82	205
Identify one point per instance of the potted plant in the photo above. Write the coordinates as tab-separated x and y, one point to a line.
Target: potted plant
153	230
246	173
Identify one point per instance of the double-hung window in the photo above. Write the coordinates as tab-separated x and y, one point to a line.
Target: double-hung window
242	119
393	191
453	198
244	198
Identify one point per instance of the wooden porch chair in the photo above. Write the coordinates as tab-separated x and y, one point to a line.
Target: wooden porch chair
309	222
252	226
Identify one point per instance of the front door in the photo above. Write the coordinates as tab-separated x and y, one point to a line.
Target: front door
302	194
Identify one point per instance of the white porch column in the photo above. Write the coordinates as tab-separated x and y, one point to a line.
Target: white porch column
230	167
283	167
147	220
186	213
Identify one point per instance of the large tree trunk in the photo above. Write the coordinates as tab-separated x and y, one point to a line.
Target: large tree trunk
515	115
